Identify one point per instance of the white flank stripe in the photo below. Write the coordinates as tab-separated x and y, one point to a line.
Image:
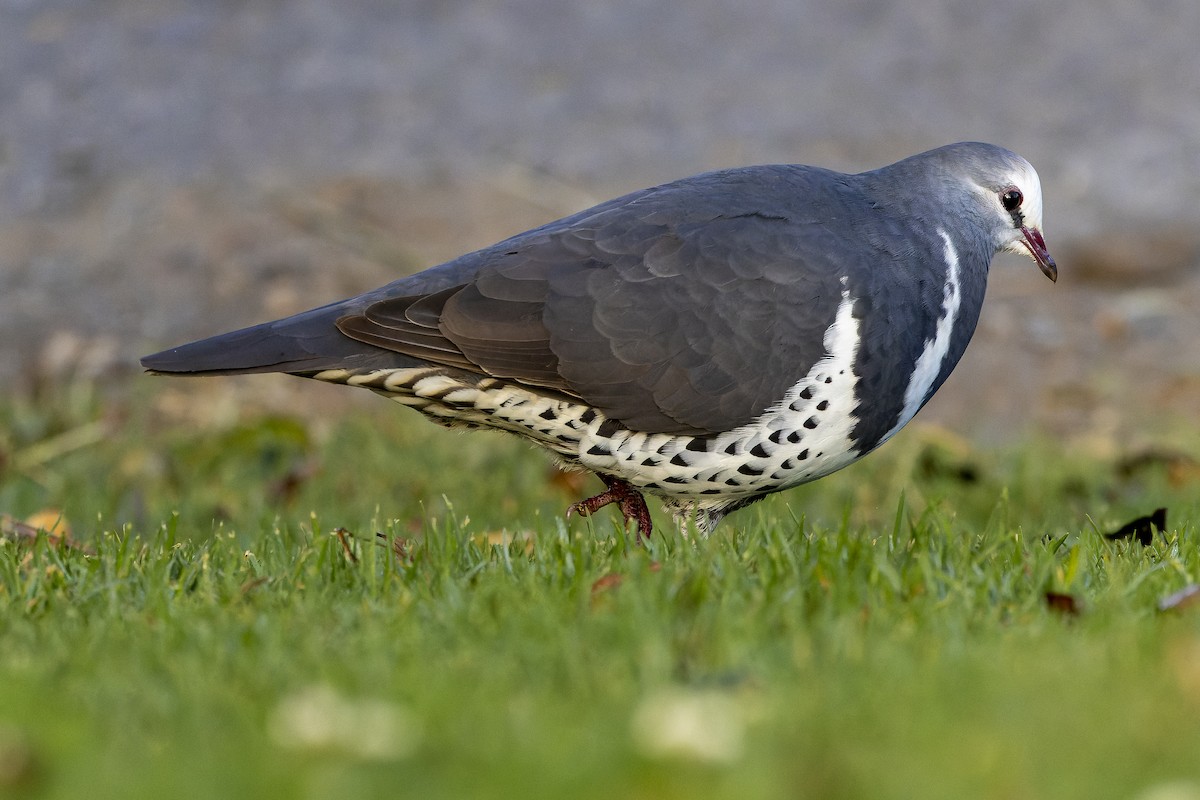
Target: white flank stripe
929	364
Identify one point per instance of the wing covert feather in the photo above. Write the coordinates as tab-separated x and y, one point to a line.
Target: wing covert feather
683	309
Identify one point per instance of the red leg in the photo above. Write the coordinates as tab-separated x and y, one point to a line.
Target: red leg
628	499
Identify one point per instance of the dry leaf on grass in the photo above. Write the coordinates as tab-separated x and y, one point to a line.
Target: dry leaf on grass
49	522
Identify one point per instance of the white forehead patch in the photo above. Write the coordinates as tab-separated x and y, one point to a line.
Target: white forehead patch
1025	177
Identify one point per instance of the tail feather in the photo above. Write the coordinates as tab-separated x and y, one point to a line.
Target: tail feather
304	344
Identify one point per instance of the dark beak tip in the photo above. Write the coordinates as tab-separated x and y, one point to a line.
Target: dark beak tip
1037	248
1050	269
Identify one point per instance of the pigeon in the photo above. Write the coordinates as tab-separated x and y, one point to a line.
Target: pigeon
708	341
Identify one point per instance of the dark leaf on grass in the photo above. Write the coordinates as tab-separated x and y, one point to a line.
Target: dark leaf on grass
1063	603
1185	597
1142	528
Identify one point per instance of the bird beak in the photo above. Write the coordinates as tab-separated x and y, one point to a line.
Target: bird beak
1037	249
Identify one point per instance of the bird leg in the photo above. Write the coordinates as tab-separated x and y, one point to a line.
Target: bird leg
628	499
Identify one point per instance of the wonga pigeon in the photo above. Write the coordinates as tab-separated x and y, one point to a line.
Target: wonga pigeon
708	341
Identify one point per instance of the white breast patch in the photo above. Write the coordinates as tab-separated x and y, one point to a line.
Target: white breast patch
929	364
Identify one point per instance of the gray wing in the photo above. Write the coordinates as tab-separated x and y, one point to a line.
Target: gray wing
686	313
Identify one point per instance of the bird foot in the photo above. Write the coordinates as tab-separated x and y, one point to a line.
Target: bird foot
628	499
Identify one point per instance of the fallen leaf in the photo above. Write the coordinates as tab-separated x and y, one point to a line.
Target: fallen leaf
1142	528
49	522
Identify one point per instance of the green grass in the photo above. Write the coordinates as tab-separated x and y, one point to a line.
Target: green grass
882	633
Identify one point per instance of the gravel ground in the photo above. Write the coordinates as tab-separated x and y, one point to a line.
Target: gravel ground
172	169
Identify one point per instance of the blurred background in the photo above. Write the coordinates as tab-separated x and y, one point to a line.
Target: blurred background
174	169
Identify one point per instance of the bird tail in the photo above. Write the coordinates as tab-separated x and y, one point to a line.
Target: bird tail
303	344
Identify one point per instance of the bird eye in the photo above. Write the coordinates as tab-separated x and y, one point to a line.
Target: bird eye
1011	199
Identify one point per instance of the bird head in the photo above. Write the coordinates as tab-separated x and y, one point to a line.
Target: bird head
1008	189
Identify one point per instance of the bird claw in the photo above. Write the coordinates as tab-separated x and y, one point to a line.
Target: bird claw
629	500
